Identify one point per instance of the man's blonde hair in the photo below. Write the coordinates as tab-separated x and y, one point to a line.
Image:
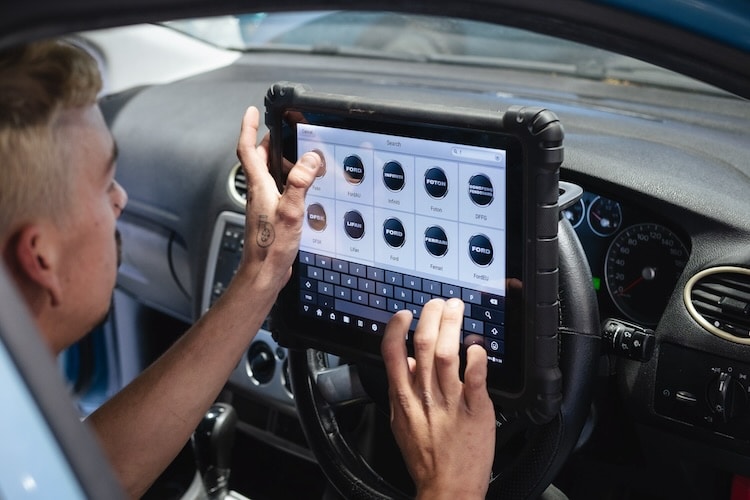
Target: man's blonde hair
39	81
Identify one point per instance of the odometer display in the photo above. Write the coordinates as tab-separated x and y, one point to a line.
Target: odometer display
642	267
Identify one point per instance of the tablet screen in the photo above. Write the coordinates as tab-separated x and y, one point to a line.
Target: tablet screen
395	221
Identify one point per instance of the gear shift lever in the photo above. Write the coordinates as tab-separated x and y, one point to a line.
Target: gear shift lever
212	444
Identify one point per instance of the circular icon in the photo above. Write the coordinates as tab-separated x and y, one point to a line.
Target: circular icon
393	176
393	233
354	170
436	241
354	225
316	217
481	191
480	250
322	170
435	182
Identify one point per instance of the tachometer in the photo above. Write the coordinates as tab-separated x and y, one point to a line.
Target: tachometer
604	216
641	269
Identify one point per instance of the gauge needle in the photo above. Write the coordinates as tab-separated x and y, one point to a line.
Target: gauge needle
648	273
603	221
627	288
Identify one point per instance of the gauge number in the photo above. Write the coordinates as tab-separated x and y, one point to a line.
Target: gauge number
642	267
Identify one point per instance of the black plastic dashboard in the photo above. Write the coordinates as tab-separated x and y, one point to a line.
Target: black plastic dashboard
665	173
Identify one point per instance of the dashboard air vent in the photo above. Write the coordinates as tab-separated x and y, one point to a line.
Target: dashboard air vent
238	185
719	299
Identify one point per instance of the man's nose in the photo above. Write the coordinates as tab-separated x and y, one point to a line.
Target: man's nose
121	198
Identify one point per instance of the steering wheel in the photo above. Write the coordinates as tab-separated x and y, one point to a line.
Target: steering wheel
537	452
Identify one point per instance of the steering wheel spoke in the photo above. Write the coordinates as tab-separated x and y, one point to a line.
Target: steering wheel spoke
340	386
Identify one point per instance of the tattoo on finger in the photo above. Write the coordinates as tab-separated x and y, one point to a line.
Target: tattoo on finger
266	233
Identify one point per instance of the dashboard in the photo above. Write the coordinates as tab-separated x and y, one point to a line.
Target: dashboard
665	179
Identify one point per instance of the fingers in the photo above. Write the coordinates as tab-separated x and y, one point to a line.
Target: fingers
446	350
246	150
273	224
262	191
436	345
475	377
393	349
425	342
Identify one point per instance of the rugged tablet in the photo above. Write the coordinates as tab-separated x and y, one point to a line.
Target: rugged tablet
420	201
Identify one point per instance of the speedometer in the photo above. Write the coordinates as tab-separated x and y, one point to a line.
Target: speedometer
641	269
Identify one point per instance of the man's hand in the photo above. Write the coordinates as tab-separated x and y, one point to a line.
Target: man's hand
273	220
445	428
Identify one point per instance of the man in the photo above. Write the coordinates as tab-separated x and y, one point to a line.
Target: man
59	203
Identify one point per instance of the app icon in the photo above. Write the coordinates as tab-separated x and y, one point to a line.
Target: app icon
435	182
354	170
354	225
393	176
393	232
316	217
436	241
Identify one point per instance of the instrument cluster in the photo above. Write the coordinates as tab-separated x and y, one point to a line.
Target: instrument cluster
635	258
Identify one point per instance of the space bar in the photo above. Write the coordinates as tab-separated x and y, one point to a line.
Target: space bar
362	311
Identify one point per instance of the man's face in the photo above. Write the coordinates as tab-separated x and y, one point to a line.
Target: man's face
89	254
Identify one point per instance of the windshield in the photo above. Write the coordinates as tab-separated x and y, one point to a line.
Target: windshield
428	39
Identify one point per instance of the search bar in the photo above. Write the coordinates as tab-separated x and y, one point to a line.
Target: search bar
479	154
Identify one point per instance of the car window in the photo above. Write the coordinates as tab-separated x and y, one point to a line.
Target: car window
427	39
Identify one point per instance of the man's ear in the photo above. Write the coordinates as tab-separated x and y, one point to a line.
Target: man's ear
36	252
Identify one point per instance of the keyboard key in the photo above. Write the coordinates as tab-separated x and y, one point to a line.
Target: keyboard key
402	294
375	273
349	280
360	297
366	285
385	289
494	331
307	258
473	326
307	284
341	266
450	291
413	282
395	279
332	277
471	296
415	309
315	273
378	301
363	311
325	288
491	315
322	261
358	269
421	298
493	301
325	301
342	292
494	347
395	305
433	287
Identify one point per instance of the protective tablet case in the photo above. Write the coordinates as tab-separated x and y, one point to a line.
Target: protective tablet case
531	385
